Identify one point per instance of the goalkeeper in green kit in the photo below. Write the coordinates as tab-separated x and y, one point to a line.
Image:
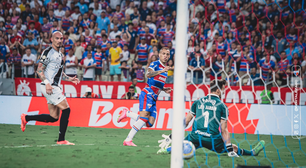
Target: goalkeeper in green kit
211	113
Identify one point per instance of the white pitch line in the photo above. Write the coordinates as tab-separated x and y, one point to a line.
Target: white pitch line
40	146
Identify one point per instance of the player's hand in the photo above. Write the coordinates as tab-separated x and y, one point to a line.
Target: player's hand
232	154
166	69
75	80
168	90
164	143
49	89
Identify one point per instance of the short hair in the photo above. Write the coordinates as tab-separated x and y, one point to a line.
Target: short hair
164	48
104	35
130	24
131	87
126	45
217	84
67	33
118	36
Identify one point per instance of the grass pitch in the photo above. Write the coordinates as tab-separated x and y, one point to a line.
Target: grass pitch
96	147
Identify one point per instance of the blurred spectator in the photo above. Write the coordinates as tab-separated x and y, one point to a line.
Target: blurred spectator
232	78
103	22
88	64
197	65
100	61
71	64
255	78
142	51
130	94
31	43
115	54
140	72
267	96
170	72
282	68
125	71
266	66
89	93
27	62
15	59
172	51
125	54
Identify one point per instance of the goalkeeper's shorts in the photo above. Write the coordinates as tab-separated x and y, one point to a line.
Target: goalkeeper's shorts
147	102
215	144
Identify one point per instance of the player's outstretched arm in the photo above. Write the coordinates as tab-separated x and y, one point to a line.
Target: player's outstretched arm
74	79
152	73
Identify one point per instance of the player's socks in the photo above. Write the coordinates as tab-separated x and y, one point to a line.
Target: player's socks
244	152
41	117
132	115
63	124
136	127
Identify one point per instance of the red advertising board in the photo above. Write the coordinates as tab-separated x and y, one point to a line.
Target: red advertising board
114	90
103	113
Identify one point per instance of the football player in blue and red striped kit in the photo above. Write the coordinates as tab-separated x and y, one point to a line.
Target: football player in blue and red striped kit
157	75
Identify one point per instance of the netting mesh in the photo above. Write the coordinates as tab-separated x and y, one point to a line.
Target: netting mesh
251	44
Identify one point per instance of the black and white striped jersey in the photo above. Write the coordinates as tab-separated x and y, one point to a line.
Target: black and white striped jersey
53	60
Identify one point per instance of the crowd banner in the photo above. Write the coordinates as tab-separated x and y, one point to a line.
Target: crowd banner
103	113
115	90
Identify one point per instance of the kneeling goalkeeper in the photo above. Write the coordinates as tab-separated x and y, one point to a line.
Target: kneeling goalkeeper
210	113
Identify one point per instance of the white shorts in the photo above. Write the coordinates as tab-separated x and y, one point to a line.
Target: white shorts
56	97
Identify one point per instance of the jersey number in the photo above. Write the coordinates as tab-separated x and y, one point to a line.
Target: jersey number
206	115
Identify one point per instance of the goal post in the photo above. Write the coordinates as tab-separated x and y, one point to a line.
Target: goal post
180	69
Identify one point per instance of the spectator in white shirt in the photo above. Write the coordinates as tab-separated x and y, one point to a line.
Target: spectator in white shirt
27	62
59	13
76	13
114	33
130	10
93	4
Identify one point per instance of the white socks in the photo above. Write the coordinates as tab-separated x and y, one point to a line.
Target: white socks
135	128
132	115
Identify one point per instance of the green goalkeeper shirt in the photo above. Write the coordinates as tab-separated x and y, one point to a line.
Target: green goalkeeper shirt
209	111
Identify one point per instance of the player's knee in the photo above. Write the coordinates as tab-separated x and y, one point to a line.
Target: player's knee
66	112
144	119
148	124
54	119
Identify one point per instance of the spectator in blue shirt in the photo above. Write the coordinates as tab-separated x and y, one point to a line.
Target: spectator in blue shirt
255	78
30	42
172	51
144	11
103	22
197	65
83	7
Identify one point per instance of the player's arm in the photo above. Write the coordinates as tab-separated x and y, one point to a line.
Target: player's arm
152	73
224	132
74	79
188	118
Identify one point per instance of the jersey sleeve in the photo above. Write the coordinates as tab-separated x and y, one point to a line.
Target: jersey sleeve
137	48
152	66
45	58
224	114
193	108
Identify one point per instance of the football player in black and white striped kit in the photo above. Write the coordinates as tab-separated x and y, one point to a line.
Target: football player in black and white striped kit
50	71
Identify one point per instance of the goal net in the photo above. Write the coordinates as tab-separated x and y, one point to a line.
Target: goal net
258	47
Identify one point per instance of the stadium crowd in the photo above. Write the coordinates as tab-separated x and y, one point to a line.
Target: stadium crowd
244	41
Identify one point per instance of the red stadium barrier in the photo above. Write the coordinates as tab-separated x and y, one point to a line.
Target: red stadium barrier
114	90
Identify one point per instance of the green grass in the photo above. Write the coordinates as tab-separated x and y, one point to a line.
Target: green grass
96	147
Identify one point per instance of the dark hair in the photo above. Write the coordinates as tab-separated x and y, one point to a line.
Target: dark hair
104	35
67	33
217	84
131	87
118	36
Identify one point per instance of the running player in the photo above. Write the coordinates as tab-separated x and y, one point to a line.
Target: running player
50	71
211	113
157	75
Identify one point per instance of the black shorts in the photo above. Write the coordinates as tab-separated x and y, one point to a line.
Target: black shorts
143	63
98	71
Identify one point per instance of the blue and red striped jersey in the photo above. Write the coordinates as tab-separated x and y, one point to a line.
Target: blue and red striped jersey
142	52
85	24
66	22
265	67
157	82
67	44
168	36
221	49
99	57
244	62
